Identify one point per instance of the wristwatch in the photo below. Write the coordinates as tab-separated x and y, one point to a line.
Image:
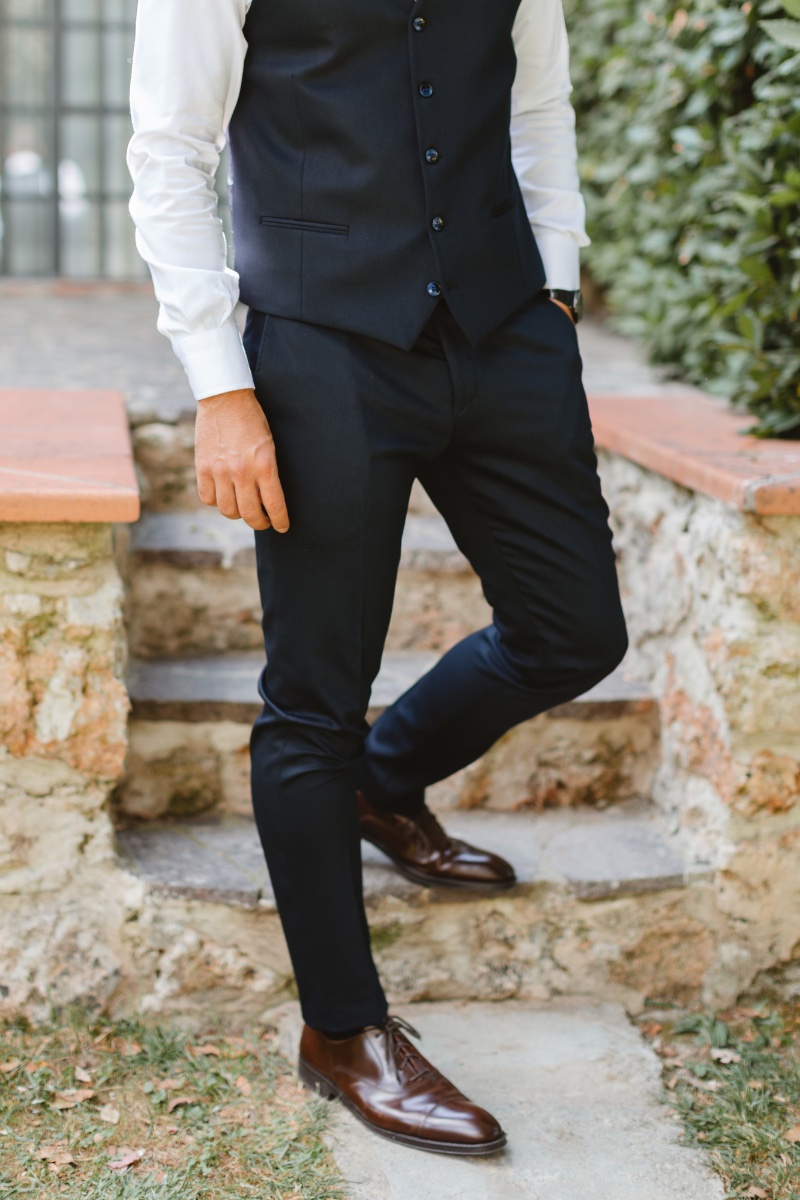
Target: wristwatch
573	301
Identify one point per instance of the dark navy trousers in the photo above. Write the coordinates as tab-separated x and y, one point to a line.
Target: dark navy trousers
500	437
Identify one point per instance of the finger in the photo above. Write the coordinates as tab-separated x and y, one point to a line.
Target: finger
226	498
274	501
248	501
205	488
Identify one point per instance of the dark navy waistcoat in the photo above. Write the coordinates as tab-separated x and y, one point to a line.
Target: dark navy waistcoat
371	166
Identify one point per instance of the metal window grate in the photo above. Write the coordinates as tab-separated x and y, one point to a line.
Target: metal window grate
64	130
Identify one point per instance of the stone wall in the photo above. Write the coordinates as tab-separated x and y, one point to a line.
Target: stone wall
712	597
63	712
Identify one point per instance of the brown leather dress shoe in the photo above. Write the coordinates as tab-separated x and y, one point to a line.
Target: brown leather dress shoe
384	1080
425	853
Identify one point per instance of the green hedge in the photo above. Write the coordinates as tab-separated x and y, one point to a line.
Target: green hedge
689	136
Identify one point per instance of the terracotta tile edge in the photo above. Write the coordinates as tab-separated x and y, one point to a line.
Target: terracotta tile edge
773	495
691	473
123	505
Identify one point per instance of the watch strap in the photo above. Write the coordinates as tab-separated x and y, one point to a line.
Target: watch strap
572	299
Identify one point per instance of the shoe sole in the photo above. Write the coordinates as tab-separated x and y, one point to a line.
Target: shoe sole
436	881
323	1087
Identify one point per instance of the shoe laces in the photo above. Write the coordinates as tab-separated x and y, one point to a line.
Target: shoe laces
404	1054
432	829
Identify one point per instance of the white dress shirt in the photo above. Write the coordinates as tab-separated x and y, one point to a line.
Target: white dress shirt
187	71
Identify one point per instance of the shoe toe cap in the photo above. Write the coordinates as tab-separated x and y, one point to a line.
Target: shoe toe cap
466	1124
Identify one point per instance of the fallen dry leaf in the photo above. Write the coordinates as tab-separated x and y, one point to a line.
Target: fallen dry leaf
244	1085
757	1192
56	1155
704	1085
176	1101
239	1047
127	1159
109	1113
169	1085
64	1159
50	1149
37	1066
82	1075
229	1112
207	1049
7	1067
72	1097
171	1128
755	1084
725	1056
793	1134
125	1048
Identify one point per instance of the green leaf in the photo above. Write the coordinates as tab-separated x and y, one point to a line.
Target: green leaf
785	33
691	1023
783	198
756	269
718	1034
792	7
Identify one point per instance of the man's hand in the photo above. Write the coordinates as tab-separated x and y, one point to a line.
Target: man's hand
561	304
235	458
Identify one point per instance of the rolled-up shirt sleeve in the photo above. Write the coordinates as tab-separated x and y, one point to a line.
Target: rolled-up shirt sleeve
543	144
188	58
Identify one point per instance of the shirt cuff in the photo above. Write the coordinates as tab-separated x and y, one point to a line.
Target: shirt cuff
214	360
561	258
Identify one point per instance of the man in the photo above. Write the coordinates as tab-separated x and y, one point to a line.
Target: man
412	296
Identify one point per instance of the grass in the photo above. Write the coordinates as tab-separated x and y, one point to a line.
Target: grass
93	1110
733	1079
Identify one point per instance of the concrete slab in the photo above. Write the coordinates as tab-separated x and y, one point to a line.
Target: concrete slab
575	1088
591	855
203	537
192	539
224	687
177	859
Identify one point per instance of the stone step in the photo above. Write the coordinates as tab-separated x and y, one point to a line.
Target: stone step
596	892
224	688
192	587
593	855
191	721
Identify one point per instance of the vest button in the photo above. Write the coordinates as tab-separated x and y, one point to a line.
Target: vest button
419	24
426	89
432	155
434	288
438	224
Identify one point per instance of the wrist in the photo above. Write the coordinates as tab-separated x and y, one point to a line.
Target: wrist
233	397
570	300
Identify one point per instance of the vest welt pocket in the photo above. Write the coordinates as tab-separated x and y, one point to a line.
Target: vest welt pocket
504	207
306	226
